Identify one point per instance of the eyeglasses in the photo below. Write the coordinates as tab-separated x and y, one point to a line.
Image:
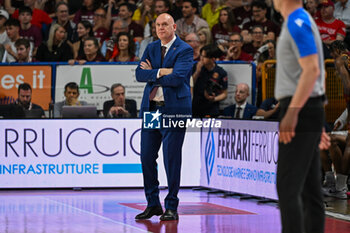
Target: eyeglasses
190	41
234	41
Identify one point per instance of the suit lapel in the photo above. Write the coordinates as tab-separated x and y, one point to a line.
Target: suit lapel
172	50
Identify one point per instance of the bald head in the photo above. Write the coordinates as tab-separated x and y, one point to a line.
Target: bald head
242	93
165	27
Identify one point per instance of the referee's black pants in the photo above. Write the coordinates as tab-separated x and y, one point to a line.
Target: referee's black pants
299	172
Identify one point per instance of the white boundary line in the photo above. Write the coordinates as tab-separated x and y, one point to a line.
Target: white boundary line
338	216
97	215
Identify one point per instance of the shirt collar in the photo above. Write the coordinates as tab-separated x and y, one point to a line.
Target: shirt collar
168	45
243	105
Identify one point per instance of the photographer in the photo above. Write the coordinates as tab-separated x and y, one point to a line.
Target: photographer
210	83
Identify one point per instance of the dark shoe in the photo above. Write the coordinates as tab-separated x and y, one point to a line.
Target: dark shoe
169	215
149	212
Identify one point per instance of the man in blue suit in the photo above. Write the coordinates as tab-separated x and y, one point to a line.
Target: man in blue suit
241	109
166	68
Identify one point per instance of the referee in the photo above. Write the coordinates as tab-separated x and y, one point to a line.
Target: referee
300	90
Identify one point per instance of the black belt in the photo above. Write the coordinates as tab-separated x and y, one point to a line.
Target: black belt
158	103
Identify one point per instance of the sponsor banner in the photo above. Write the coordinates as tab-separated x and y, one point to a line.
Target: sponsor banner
82	153
39	78
241	157
95	81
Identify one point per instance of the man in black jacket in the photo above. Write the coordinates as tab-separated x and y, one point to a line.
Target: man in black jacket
119	107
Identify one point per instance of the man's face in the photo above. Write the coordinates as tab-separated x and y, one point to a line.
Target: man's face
118	96
257	34
192	41
165	27
12	31
25	17
24	97
187	10
235	42
241	94
99	15
206	60
71	95
160	7
327	12
22	53
90	48
118	27
311	5
62	13
124	13
258	14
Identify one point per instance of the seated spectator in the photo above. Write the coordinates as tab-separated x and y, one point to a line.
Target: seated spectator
24	105
126	48
193	40
4	16
39	17
145	42
338	155
330	28
241	109
342	12
23	51
224	28
211	11
12	30
312	7
27	30
235	52
86	12
119	107
100	29
205	36
269	109
271	30
71	94
84	30
210	84
62	14
257	41
144	13
243	14
56	48
109	47
135	29
92	52
190	22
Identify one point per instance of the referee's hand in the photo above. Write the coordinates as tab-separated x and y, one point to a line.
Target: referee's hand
287	126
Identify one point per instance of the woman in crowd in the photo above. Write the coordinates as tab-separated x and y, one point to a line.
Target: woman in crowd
126	47
92	52
56	48
84	30
224	28
205	37
144	13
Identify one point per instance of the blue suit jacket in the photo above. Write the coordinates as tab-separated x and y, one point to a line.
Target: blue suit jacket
249	111
176	86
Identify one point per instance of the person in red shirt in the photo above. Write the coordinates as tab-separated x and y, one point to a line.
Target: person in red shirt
235	52
39	17
330	28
